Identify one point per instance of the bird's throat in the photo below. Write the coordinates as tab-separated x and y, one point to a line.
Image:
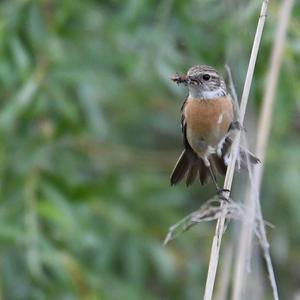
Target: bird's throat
199	93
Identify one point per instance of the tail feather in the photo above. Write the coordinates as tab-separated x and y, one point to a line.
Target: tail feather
192	166
192	174
203	172
219	164
188	163
181	167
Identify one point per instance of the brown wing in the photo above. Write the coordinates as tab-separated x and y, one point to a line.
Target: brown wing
182	122
186	144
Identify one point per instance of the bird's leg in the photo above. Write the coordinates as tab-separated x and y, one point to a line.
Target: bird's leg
220	191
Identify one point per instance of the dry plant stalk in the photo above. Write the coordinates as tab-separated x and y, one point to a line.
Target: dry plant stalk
224	276
209	211
216	244
252	200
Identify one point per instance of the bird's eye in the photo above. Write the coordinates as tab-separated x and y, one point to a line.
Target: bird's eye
206	77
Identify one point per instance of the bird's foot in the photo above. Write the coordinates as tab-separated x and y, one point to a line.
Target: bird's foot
236	125
220	193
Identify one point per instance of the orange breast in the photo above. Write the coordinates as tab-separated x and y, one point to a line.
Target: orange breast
208	120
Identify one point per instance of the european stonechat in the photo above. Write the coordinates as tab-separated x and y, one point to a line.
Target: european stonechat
207	118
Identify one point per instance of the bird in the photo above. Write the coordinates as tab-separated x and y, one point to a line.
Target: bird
207	123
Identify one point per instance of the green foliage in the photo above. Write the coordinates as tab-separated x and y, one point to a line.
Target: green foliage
89	128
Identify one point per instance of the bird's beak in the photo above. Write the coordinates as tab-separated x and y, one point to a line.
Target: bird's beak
181	79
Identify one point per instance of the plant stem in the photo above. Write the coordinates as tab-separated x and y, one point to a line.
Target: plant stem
216	244
252	201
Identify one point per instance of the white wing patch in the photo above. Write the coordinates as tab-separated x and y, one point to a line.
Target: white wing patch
220	118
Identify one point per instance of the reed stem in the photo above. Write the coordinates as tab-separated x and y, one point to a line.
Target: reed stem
216	244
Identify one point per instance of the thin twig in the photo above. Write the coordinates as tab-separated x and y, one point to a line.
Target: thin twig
215	250
262	138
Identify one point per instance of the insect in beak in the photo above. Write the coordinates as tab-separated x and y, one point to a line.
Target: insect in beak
180	79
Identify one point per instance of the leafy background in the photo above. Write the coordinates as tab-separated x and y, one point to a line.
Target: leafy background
89	128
